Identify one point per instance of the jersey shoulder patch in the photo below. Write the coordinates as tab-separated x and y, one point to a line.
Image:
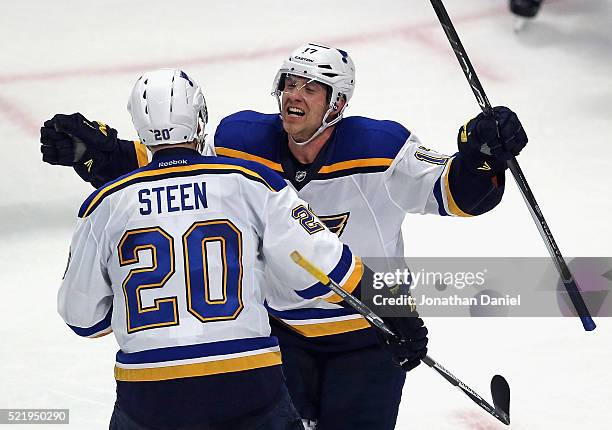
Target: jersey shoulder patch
251	135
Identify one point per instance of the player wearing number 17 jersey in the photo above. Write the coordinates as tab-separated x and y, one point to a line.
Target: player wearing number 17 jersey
172	258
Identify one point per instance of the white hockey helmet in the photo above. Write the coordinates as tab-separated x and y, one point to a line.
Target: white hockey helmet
167	107
329	66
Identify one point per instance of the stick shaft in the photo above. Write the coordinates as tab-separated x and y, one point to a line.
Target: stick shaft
468	70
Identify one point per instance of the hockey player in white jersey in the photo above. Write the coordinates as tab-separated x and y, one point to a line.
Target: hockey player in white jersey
360	176
172	259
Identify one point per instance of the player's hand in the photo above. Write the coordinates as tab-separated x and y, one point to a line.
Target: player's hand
487	142
411	345
70	140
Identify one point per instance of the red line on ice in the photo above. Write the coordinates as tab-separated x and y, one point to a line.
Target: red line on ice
9	108
18	116
410	31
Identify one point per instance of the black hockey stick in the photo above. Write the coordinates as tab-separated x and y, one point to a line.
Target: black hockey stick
500	390
519	177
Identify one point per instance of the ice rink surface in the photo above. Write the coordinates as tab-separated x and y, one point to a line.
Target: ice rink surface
68	55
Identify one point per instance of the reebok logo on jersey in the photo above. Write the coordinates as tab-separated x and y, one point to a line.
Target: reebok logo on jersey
172	163
88	164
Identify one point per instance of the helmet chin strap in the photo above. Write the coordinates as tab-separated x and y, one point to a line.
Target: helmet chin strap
200	135
324	124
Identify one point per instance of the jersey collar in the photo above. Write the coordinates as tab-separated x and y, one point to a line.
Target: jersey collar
297	175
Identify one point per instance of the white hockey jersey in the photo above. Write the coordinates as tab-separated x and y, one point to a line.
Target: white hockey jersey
173	256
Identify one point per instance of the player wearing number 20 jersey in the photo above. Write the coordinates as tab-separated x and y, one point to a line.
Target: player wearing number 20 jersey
173	257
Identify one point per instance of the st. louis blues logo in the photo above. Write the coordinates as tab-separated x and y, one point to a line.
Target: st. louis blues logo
335	223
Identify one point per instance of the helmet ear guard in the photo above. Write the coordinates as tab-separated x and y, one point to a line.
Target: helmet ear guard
168	107
328	66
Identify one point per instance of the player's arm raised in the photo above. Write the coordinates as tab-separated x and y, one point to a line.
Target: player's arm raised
469	183
90	147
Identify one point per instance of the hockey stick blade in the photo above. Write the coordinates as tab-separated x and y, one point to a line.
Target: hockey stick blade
495	410
503	397
500	391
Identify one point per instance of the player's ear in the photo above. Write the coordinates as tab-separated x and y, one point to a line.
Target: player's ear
340	104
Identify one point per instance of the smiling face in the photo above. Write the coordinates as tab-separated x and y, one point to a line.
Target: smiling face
304	104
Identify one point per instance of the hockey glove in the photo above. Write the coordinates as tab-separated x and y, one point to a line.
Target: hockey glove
486	143
411	347
91	147
72	139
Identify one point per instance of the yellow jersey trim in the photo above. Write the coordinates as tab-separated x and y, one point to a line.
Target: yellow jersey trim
351	283
351	164
234	153
452	206
198	369
329	328
149	173
141	153
103	333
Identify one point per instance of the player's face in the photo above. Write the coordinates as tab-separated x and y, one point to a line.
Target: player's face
304	105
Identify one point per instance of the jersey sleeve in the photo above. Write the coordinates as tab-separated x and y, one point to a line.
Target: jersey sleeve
473	194
293	295
415	179
85	297
107	166
424	181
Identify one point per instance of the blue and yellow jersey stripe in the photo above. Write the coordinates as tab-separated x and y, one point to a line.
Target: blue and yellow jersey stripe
234	153
352	167
351	284
342	168
316	322
197	360
247	169
328	327
359	145
347	265
325	321
99	329
444	196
